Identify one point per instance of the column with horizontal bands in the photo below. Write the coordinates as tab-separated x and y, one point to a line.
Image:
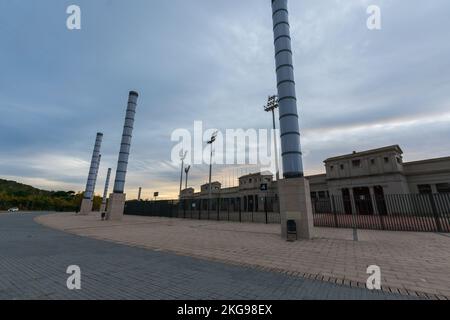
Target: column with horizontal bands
105	192
122	164
117	198
86	204
294	193
96	175
289	120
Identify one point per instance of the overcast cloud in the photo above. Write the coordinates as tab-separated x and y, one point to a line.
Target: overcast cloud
213	61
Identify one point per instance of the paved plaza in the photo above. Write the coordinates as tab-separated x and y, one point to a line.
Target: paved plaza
414	264
34	259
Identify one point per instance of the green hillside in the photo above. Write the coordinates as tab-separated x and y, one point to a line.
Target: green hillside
25	197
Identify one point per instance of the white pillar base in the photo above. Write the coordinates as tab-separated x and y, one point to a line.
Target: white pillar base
86	207
116	206
295	204
102	208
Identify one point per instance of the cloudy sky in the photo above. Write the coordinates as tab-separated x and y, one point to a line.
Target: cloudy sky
212	61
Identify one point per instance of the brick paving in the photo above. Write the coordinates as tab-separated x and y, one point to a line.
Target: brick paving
412	263
34	258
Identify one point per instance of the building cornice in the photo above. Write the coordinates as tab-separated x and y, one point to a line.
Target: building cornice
395	148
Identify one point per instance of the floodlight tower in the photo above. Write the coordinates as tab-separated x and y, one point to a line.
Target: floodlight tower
294	193
186	170
210	142
183	155
272	104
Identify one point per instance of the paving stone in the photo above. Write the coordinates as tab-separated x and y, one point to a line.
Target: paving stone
34	259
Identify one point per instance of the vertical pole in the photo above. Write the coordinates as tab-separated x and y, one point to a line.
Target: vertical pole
435	213
125	146
333	204
218	203
210	189
265	207
117	199
240	210
253	207
354	224
86	205
96	175
105	191
275	145
181	175
93	169
294	189
287	99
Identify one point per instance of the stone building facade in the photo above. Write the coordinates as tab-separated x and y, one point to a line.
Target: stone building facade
370	174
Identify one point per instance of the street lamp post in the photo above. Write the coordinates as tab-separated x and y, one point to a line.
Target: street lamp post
210	142
186	170
182	157
272	104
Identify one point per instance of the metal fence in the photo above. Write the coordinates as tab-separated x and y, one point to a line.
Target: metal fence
258	210
403	212
400	212
161	208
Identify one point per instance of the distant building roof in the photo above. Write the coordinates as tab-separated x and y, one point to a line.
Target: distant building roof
262	173
395	148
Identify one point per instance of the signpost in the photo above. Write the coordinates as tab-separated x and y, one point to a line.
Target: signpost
263	187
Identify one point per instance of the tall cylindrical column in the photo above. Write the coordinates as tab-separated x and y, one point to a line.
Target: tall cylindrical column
93	169
105	192
139	194
122	164
86	204
289	120
96	176
116	202
293	191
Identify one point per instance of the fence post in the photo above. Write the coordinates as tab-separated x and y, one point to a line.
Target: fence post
218	203
265	208
380	214
435	213
353	203
333	204
253	209
240	214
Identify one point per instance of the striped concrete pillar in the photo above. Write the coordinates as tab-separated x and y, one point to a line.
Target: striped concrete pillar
294	193
96	175
86	204
105	192
117	198
289	120
122	164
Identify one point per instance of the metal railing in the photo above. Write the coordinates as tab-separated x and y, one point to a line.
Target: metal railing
258	210
400	212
